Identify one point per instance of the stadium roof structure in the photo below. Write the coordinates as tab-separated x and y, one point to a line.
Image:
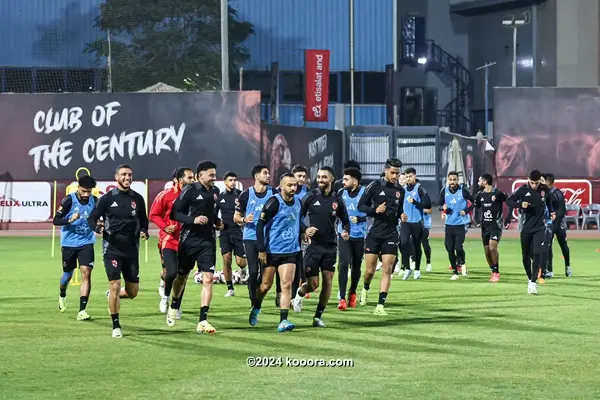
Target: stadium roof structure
161	87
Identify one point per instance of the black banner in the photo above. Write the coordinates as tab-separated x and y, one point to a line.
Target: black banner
286	146
50	136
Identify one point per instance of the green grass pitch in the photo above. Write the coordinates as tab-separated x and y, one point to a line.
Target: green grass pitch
442	340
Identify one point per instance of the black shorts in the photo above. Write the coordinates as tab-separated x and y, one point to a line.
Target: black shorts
491	234
317	260
201	253
169	260
117	265
232	242
276	260
71	255
375	245
537	241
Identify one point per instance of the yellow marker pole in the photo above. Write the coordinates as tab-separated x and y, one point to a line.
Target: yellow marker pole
53	226
147	215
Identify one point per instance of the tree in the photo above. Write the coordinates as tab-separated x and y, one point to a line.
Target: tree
177	42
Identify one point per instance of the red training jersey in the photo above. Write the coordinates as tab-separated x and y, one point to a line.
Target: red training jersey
160	214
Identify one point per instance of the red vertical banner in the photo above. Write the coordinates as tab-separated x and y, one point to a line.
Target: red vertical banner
316	85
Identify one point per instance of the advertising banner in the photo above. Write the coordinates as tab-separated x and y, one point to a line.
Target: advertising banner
316	85
52	135
25	201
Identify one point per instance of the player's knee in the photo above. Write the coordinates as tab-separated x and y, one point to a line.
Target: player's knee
132	292
241	262
66	277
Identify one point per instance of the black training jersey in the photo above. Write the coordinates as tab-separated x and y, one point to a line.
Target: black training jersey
195	200
377	193
533	218
125	217
322	212
226	203
559	205
490	204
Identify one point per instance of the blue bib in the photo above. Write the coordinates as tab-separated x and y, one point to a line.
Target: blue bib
414	214
302	194
457	203
358	230
254	206
283	230
78	233
426	221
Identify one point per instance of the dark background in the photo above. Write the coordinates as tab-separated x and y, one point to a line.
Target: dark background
221	126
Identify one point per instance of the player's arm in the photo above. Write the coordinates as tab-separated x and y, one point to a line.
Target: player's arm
548	199
442	201
181	207
60	218
500	196
342	213
477	202
269	211
240	208
157	210
99	212
428	211
560	206
516	198
425	200
365	204
469	197
142	216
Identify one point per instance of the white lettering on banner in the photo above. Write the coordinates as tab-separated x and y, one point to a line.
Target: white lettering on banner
316	148
25	201
576	191
319	81
123	145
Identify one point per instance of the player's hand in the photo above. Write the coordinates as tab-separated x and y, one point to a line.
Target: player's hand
310	232
345	235
524	204
443	216
410	199
305	239
200	220
404	217
354	220
248	219
462	213
553	216
170	228
100	228
143	235
381	208
262	257
444	207
74	217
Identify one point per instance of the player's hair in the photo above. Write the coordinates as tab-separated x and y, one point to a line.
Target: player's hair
451	173
180	172
205	165
229	174
353	172
549	178
120	167
487	178
411	170
381	175
328	169
86	182
351	164
393	163
287	175
299	168
535	175
257	169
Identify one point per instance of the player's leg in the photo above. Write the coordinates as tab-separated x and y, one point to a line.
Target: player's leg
343	262
372	249
206	260
267	277
169	257
227	253
253	271
357	252
417	239
389	250
312	261
459	236
547	246
277	288
449	243
406	246
69	263
539	246
485	238
526	251
113	266
561	237
327	273
85	257
287	270
427	249
163	273
185	263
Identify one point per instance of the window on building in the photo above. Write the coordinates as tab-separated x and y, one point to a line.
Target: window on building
17	80
346	88
257	80
374	87
333	88
292	86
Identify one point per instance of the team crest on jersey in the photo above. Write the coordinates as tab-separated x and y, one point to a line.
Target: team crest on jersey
215	196
334	205
115	263
543	193
397	195
133	205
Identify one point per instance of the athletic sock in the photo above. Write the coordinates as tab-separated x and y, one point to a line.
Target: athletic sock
229	285
367	286
175	303
63	292
495	268
203	313
300	293
382	297
257	303
83	303
283	314
115	320
320	310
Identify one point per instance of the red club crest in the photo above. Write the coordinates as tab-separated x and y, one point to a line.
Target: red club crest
397	195
334	206
215	196
115	263
133	205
